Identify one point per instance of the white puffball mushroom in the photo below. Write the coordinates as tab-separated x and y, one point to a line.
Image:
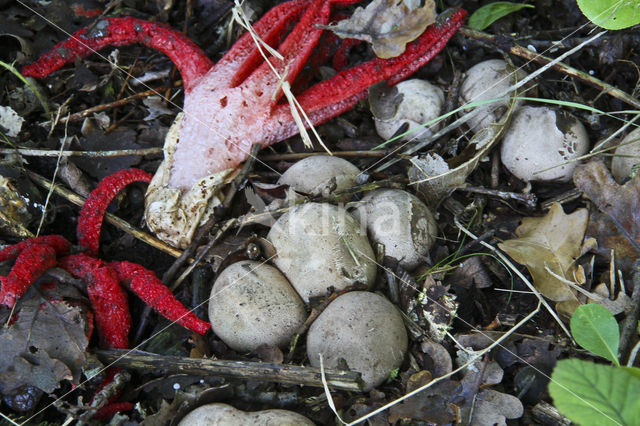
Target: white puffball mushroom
319	246
543	138
253	304
488	80
421	102
363	329
320	175
626	156
220	414
401	222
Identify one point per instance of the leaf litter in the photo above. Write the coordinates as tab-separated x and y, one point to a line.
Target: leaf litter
31	353
387	24
616	223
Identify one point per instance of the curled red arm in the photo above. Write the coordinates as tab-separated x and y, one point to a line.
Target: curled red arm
185	54
94	208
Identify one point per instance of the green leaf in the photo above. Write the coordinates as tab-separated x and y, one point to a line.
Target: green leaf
595	394
596	330
490	13
611	14
633	371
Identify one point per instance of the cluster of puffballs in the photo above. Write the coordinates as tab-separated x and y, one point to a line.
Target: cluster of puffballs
323	248
541	143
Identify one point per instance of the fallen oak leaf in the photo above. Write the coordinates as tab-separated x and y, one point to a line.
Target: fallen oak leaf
553	241
387	24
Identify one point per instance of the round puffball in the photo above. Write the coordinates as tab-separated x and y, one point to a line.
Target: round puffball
225	415
401	222
542	138
626	156
253	304
421	102
363	329
321	175
488	80
319	246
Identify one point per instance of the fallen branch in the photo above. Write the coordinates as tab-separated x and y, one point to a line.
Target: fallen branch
279	373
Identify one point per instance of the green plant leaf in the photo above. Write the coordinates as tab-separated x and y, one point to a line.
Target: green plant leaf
596	330
611	14
595	394
633	371
490	13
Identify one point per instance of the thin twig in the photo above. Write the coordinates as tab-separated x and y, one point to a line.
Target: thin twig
79	116
502	43
529	200
27	152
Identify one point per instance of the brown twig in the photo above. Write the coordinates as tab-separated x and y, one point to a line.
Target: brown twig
79	116
278	373
529	200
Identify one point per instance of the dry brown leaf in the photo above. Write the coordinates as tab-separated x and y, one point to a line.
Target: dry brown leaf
553	241
387	24
620	205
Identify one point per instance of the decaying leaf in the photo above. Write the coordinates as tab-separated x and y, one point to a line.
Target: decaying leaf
10	121
493	408
387	24
471	272
555	242
156	107
442	363
619	223
467	401
45	345
431	405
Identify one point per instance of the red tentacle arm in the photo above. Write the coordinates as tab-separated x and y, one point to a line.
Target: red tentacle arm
94	208
29	266
190	60
109	301
59	244
33	258
244	56
155	294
